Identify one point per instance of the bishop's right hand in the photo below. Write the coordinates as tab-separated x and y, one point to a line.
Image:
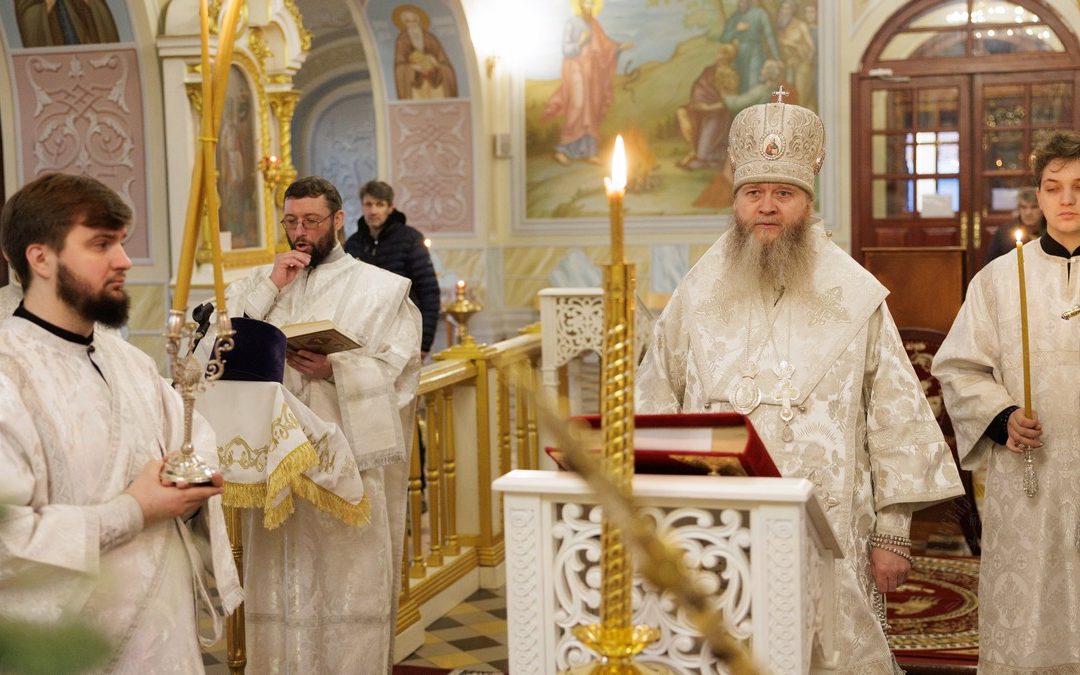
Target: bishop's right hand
287	265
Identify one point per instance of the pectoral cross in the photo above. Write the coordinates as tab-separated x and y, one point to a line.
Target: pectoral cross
780	94
785	395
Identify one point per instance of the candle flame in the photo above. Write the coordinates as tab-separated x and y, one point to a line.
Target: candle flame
461	283
427	242
1019	234
617	182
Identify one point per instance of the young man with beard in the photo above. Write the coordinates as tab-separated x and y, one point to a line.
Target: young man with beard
89	528
322	594
1029	578
777	323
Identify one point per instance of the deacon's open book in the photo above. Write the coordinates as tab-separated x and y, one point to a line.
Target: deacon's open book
321	337
693	443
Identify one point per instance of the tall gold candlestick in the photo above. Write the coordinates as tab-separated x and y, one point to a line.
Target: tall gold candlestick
615	639
191	223
204	174
1031	480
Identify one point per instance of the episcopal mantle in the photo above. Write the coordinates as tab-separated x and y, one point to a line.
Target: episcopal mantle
761	546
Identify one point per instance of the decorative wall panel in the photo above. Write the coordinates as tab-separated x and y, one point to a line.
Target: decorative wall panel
80	112
432	164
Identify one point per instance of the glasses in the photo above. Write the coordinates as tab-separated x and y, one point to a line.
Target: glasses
309	223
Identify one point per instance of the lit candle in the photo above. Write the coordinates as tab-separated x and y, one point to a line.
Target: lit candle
1024	323
616	188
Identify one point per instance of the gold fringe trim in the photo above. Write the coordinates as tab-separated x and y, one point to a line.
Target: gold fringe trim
289	477
328	502
292	466
244	495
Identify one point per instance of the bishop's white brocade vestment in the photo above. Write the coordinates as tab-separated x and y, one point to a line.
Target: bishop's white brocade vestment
861	429
322	595
1029	574
75	429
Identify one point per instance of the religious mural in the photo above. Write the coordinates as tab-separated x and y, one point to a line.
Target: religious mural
420	49
421	68
64	23
669	76
236	163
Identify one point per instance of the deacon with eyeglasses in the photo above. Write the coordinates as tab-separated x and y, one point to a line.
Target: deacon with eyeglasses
323	597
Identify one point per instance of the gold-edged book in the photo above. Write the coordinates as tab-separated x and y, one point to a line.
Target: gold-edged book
724	444
321	337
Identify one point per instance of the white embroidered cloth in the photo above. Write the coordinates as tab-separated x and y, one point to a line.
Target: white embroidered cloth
273	448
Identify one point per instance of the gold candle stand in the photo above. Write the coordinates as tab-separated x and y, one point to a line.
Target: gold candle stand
615	639
462	309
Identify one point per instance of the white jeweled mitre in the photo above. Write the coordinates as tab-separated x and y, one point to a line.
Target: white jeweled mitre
777	143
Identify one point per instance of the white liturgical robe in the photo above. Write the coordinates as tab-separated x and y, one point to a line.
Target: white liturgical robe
1029	574
322	595
77	425
830	359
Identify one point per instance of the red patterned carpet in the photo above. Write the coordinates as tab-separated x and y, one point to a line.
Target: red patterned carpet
934	616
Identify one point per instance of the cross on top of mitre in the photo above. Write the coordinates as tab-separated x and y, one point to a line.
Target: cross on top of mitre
781	93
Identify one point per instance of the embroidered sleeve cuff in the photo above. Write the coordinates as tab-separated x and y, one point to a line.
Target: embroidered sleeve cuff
120	519
998	429
894	520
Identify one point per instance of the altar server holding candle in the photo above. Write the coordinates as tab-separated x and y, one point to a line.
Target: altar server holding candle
1008	397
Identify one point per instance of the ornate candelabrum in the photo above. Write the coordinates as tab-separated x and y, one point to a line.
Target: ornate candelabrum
615	639
462	309
184	465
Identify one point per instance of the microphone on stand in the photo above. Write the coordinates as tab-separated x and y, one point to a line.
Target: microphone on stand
201	314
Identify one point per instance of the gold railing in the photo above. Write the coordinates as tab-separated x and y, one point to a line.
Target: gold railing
475	426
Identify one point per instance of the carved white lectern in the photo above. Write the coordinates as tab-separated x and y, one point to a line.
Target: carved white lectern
761	546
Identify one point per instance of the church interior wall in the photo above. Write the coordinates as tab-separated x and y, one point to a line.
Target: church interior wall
350	124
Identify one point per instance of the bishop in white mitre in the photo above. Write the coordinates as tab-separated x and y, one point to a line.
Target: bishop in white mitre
779	324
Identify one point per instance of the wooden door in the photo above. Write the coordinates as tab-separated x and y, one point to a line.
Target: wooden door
914	193
950	99
1012	114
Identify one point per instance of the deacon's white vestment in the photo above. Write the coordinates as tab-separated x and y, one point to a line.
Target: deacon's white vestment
860	428
10	297
77	424
1029	574
322	595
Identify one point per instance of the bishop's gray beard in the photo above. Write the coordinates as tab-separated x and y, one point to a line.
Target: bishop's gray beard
787	261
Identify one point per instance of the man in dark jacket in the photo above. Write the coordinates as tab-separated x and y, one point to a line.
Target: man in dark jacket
384	240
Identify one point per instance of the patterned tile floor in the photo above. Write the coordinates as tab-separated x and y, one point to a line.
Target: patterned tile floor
472	636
